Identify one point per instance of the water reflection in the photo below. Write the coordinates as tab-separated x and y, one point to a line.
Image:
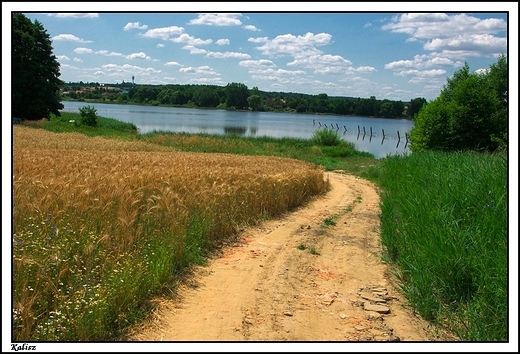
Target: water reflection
234	130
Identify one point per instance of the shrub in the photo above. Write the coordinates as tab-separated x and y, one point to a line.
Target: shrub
88	116
326	137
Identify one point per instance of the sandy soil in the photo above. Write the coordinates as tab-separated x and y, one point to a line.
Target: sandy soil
268	287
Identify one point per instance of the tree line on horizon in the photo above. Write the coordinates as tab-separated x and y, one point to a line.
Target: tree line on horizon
239	96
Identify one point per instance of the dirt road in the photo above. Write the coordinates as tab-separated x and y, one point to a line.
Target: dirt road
313	275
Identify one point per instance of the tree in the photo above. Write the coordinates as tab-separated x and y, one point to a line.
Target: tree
236	95
468	115
255	102
35	79
415	106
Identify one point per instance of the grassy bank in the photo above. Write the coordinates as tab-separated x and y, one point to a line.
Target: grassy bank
443	220
444	225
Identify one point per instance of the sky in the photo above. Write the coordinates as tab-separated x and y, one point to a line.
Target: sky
389	55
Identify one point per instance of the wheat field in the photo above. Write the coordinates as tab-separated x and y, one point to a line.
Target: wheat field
101	224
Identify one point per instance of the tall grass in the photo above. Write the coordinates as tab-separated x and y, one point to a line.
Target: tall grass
101	224
444	223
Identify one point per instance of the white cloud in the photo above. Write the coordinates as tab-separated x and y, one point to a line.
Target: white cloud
217	19
425	73
160	45
484	43
82	50
62	57
251	28
365	69
194	50
78	60
201	70
279	72
190	40
296	46
109	54
163	33
69	37
73	15
454	33
323	64
127	69
258	40
134	25
222	41
172	63
226	55
139	55
257	63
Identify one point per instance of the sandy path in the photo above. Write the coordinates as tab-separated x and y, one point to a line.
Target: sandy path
266	288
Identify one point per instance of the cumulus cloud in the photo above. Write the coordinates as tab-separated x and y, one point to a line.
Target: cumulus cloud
226	55
62	57
128	69
296	46
201	70
194	50
70	38
424	73
251	28
83	50
172	63
323	64
222	41
262	63
109	54
217	19
139	55
443	32
190	40
134	25
163	33
73	15
469	42
258	40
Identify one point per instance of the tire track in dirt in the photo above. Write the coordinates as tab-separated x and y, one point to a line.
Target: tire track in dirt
294	279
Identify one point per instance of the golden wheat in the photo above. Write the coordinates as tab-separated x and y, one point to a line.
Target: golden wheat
87	213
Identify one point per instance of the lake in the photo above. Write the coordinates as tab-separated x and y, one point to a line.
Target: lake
378	136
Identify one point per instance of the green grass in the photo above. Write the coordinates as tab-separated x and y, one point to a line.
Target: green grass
444	224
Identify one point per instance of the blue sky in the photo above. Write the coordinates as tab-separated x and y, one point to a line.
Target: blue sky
390	55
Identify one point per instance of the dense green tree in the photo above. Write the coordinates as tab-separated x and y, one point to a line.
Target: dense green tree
255	102
35	79
468	115
205	96
415	106
236	95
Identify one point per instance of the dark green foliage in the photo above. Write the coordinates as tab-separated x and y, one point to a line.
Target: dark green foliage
469	114
236	95
415	106
88	116
35	71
